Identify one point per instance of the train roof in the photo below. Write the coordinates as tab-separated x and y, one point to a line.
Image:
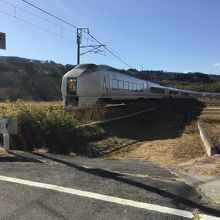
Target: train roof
90	67
85	69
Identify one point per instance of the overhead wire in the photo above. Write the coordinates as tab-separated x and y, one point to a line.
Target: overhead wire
136	64
35	25
40	9
37	16
104	55
60	26
109	50
68	23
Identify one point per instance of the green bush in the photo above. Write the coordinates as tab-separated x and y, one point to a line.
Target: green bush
47	127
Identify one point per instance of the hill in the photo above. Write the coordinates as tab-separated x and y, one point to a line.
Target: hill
191	81
27	79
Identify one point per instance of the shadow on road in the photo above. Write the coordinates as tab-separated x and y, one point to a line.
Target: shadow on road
119	177
13	157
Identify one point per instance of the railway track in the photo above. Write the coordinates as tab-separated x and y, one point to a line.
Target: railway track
116	118
107	112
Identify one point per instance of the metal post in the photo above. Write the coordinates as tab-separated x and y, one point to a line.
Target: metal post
78	54
79	32
79	41
6	141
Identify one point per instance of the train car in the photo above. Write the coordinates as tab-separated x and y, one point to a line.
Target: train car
86	84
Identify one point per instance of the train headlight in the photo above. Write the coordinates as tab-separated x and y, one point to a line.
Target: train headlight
71	85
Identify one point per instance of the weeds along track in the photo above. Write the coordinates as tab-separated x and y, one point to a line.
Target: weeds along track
210	116
82	115
106	111
51	127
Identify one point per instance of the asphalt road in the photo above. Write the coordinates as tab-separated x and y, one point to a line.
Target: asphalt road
131	180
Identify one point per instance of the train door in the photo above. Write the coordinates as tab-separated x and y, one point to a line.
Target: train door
106	84
147	87
143	87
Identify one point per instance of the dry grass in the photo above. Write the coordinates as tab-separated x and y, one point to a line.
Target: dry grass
82	115
185	153
211	118
167	152
48	125
2	151
158	136
33	103
203	165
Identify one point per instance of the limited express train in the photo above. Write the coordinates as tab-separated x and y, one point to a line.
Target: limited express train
86	84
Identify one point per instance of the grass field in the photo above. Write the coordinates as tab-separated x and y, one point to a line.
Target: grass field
166	136
32	103
48	125
82	116
184	152
211	120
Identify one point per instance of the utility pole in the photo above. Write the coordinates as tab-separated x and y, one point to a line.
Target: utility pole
92	48
79	41
2	41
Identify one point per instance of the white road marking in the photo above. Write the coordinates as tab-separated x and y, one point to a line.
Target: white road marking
117	200
207	217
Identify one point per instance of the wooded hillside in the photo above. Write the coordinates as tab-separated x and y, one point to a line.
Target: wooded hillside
27	79
30	79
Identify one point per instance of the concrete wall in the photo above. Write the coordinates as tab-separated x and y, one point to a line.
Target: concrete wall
209	147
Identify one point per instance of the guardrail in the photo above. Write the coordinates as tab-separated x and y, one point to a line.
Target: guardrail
210	148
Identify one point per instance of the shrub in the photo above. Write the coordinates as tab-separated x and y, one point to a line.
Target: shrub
40	126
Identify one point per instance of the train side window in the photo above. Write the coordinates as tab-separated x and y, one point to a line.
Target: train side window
172	92
157	90
146	86
126	85
130	86
114	84
133	86
138	87
121	84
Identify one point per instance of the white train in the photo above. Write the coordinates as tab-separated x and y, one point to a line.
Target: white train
86	84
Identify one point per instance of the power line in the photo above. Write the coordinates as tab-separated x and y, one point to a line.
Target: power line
48	13
37	16
44	19
110	51
126	58
61	27
104	55
43	29
34	25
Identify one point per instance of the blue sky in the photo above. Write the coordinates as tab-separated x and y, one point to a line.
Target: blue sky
170	35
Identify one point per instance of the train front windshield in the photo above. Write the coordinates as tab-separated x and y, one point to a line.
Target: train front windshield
71	86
